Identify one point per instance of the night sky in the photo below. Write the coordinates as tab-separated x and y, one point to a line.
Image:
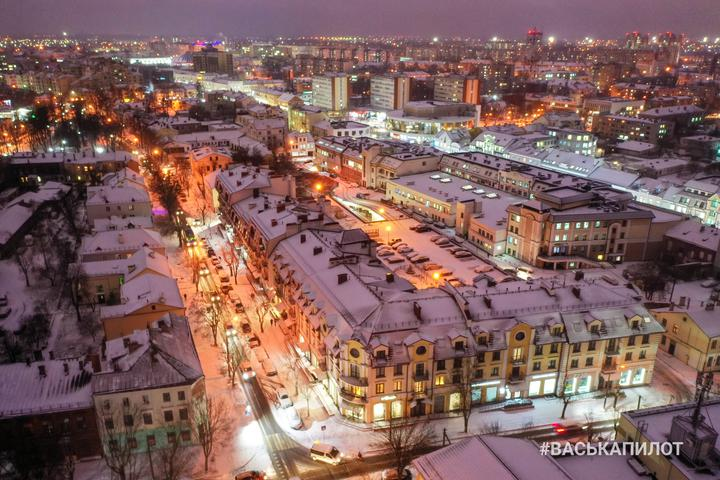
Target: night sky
570	19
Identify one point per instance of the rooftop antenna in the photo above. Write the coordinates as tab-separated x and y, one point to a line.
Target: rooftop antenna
703	383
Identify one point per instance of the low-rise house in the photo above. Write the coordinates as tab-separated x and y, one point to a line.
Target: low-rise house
114	244
104	279
117	201
143	300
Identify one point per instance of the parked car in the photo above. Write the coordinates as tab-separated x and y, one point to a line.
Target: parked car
462	254
422	228
405	250
386	252
435	238
518	403
254	341
399	245
394	241
5	312
442	241
394	259
226	288
219	268
568	429
322	452
419	259
245	327
283	398
710	283
224	277
293	418
431	266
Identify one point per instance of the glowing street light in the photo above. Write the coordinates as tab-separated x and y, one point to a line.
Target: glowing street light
387	229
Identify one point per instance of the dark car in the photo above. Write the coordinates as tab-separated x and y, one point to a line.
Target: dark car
245	327
517	404
239	307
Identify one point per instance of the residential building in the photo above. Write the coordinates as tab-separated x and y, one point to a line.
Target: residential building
48	405
682	117
457	88
302	118
143	300
104	279
568	227
114	244
149	380
340	128
621	127
119	200
702	147
205	160
389	92
692	334
694	245
300	146
331	92
213	60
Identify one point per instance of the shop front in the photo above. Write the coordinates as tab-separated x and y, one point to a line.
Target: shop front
389	407
485	392
543	384
578	384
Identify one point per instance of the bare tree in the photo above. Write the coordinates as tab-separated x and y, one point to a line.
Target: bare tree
175	460
305	391
10	344
118	431
292	371
23	259
464	389
234	356
492	428
209	422
211	317
405	439
35	329
233	261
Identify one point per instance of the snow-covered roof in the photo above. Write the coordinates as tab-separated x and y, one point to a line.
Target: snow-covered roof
242	177
140	291
162	356
142	261
121	223
119	193
26	391
500	458
692	231
129	240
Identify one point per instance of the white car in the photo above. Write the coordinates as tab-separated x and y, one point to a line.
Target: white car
385	253
405	250
284	398
710	283
293	418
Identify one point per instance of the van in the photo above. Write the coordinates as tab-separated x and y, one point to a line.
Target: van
322	452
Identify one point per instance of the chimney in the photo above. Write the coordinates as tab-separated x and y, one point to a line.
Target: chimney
121	238
273	222
280	207
488	301
576	291
302	238
42	371
342	278
710	306
390	277
317	250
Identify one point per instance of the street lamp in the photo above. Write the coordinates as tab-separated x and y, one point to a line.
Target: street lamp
387	229
436	277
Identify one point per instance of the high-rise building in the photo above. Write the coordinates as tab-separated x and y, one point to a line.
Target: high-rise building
331	92
457	88
390	92
534	36
212	60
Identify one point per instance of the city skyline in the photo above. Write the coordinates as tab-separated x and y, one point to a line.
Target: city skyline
562	19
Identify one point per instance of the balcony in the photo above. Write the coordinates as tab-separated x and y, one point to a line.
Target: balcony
350	396
355	381
419	377
608	368
612	351
516	379
419	394
519	361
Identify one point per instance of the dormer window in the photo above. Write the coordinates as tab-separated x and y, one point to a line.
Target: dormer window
380	355
557	330
595	328
459	345
482	340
